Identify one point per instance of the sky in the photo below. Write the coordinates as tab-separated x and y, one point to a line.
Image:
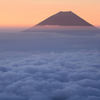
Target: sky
25	13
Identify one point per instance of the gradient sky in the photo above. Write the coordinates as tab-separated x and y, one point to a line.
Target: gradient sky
29	12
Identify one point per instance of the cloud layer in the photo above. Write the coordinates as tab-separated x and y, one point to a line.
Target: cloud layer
52	76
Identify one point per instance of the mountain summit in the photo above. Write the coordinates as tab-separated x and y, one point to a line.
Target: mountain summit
65	19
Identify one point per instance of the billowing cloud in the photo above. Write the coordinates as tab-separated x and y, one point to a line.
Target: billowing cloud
52	76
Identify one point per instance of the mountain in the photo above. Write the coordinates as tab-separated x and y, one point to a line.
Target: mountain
62	21
65	19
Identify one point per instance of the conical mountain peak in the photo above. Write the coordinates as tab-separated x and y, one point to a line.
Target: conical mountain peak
65	18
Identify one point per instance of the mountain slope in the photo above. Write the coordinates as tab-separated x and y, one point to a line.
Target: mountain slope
65	19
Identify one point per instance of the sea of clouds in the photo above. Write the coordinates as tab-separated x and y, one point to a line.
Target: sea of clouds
50	65
50	76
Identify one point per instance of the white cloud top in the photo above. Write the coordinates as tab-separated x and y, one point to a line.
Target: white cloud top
51	76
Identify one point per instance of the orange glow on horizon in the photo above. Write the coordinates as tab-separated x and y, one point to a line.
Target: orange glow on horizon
24	13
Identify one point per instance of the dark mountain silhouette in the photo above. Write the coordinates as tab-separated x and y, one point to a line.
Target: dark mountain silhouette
62	21
65	19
